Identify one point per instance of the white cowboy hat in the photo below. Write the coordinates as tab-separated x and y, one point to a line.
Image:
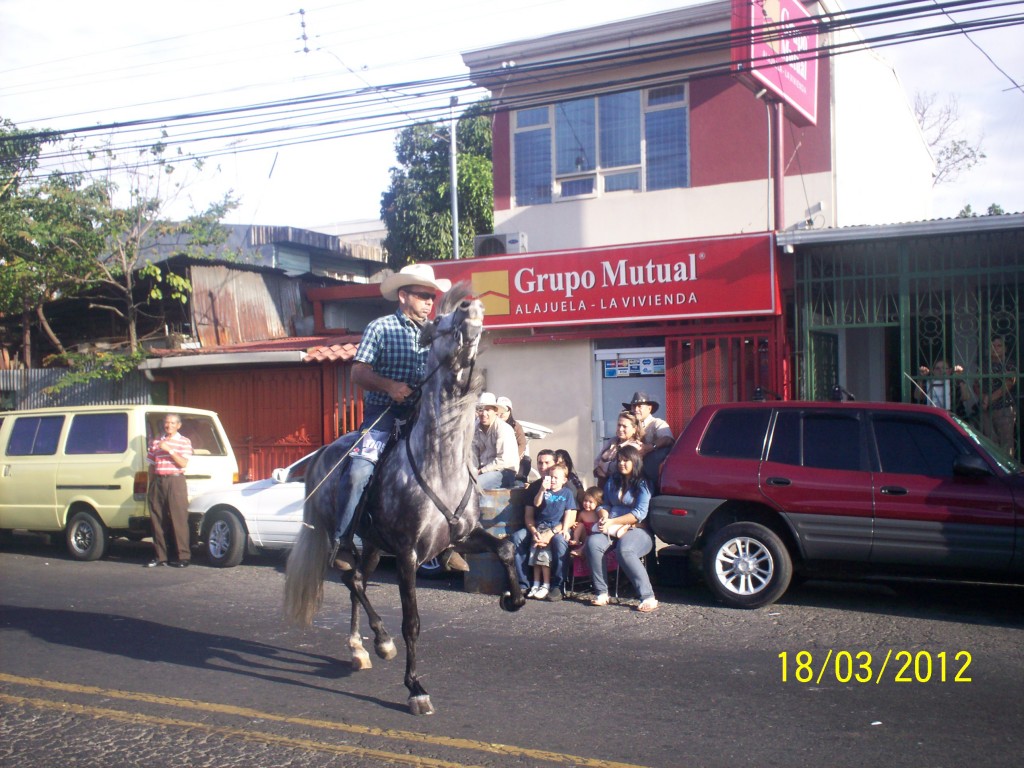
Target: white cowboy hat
504	402
413	274
487	400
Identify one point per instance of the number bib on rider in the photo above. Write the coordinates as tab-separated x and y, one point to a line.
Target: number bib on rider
371	445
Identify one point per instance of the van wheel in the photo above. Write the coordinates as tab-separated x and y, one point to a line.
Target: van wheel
86	537
225	539
746	565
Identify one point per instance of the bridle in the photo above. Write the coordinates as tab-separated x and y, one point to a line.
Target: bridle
452	517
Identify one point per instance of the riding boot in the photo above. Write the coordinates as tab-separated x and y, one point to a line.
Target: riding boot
342	555
453	561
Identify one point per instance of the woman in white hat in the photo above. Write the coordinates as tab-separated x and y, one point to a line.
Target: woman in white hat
388	366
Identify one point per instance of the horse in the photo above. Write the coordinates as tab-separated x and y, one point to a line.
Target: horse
421	499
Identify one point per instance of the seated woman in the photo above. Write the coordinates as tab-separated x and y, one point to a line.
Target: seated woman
626	498
627	432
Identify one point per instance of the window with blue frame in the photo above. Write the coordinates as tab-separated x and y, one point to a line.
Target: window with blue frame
619	142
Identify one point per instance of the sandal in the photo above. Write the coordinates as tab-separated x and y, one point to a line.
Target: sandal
601	599
647	605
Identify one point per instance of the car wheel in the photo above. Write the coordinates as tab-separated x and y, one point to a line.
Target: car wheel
225	539
431	569
746	565
86	537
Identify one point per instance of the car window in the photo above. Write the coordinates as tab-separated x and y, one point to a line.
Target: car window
736	434
97	433
914	447
35	436
832	442
200	430
785	445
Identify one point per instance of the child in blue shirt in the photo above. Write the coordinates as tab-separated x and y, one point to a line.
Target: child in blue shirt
552	517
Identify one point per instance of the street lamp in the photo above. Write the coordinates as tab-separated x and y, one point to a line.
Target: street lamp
455	181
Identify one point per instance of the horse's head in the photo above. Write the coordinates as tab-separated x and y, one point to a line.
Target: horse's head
454	336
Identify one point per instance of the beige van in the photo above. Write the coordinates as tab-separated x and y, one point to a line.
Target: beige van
82	470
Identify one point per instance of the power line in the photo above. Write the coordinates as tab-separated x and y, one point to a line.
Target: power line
304	119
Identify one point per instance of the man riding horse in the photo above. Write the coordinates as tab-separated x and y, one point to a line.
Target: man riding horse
389	366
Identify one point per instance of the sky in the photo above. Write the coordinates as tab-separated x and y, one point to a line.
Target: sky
69	64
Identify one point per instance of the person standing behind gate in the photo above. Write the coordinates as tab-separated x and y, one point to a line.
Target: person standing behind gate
657	433
998	414
495	451
389	365
167	458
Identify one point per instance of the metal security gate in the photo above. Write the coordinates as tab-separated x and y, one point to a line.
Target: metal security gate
922	302
273	416
720	367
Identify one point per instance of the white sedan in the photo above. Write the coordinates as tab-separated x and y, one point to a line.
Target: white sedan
257	516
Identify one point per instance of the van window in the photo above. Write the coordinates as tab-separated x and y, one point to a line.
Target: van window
199	429
35	436
98	433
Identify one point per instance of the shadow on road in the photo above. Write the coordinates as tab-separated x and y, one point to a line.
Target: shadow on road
149	641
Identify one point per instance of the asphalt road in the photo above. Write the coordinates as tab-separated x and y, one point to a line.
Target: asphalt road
113	664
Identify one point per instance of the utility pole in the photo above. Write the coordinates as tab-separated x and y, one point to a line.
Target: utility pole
455	180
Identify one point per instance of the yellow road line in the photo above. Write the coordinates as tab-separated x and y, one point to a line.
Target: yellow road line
135	718
387	733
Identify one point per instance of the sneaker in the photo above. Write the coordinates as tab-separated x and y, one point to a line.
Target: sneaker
554	596
178	564
533	591
540	594
154	563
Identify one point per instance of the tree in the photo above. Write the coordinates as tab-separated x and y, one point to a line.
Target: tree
940	124
416	208
968	213
76	235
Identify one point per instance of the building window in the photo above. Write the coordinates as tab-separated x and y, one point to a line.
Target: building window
619	142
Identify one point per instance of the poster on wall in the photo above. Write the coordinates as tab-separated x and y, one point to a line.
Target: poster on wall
678	279
627	367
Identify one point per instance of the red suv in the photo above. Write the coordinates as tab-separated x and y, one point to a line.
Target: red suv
761	489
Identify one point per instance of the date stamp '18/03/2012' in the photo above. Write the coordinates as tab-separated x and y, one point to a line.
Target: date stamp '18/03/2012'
897	666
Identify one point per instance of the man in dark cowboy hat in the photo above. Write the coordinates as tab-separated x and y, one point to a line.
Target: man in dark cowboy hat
388	365
657	435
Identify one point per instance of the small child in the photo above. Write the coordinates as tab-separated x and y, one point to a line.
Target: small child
545	522
586	520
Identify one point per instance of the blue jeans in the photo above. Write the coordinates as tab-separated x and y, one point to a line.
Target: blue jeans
495	479
635	544
358	468
523	541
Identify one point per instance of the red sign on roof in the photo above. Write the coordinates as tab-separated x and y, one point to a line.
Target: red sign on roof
711	277
776	49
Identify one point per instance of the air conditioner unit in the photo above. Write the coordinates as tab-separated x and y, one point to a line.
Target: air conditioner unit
496	244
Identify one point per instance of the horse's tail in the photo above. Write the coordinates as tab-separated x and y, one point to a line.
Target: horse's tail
307	562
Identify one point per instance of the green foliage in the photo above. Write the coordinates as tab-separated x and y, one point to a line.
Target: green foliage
83	368
968	213
80	235
416	208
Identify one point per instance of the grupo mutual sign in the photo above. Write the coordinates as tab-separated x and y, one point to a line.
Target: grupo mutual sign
678	279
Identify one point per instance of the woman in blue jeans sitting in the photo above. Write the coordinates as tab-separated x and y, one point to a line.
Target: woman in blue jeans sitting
621	524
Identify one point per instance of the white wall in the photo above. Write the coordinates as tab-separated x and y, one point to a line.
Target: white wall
630	217
549	383
883	165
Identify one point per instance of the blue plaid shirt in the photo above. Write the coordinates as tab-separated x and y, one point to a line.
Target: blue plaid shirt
391	346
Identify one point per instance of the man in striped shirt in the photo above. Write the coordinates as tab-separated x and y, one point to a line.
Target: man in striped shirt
168	494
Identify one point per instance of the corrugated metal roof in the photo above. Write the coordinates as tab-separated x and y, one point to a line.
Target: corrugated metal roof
931	227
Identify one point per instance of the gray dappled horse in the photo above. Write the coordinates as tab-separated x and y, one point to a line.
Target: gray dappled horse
421	500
